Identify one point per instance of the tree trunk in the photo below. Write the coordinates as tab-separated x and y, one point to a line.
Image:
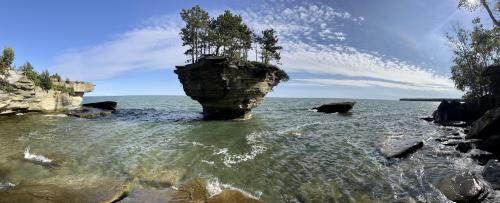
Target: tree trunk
490	13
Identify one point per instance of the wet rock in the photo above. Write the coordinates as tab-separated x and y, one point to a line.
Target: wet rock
487	125
490	144
428	119
464	147
192	191
227	90
90	112
481	156
5	186
159	178
491	173
229	196
141	195
106	105
338	107
462	188
399	148
455	134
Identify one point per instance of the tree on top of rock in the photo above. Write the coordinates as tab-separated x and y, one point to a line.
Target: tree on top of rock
269	45
226	35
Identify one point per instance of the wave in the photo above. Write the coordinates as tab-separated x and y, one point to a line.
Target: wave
256	149
56	115
214	187
36	158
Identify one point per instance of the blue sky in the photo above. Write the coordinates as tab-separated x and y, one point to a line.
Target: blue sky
384	49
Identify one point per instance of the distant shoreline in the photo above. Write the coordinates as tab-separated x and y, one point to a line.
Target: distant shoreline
430	99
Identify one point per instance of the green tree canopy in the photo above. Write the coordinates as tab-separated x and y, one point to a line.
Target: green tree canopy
473	52
6	60
269	43
45	80
474	4
226	35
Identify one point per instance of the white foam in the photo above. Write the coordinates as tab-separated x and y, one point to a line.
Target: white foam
19	114
256	149
214	187
34	157
56	115
208	162
7	185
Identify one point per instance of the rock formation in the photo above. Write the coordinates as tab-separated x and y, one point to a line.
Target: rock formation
228	90
24	96
340	107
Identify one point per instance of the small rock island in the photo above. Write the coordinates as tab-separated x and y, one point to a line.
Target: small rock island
220	76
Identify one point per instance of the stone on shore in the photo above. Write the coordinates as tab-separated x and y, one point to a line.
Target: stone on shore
487	125
491	173
337	107
228	90
399	148
90	112
462	188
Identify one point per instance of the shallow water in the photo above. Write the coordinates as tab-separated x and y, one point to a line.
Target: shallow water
285	153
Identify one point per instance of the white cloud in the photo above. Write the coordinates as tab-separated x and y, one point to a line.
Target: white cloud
157	46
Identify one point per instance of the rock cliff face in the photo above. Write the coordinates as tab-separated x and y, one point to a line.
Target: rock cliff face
227	90
20	94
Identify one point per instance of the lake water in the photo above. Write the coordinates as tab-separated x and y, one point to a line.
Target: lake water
285	153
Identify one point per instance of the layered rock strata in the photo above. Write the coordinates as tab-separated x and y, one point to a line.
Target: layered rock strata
228	90
20	94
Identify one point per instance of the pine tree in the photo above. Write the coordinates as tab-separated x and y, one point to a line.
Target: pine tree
6	60
269	44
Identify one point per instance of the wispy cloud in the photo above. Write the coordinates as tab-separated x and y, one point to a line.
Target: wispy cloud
310	32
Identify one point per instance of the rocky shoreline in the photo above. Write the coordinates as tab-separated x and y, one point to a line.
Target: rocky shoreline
25	96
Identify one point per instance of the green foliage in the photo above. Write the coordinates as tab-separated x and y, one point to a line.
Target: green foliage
6	60
486	4
45	80
226	35
7	87
269	44
64	89
57	77
473	52
30	73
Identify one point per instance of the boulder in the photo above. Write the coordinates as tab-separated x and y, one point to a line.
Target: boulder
462	188
228	90
493	72
106	105
491	173
399	148
460	114
338	107
487	125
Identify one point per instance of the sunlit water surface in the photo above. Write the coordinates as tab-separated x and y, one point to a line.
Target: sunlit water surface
285	153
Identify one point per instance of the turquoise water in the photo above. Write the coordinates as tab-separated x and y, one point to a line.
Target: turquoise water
285	153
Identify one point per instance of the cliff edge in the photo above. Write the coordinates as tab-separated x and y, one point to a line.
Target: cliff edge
228	90
19	94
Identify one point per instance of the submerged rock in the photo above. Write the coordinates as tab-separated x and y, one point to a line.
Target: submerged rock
338	107
228	196
399	148
90	112
462	188
227	90
491	173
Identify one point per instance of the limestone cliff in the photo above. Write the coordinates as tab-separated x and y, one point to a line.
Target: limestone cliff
20	94
227	90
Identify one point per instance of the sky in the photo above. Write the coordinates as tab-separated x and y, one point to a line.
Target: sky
384	49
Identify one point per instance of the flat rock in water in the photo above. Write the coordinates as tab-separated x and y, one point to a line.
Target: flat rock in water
107	105
399	148
338	107
90	112
491	173
462	188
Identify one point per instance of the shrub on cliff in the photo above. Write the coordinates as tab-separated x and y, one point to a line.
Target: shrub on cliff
6	60
45	80
30	73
